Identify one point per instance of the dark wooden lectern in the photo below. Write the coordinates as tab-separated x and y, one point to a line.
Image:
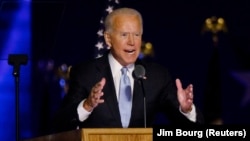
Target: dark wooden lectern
101	134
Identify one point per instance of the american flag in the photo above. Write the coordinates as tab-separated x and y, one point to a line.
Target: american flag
100	46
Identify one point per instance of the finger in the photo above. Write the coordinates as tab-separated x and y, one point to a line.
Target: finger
98	95
99	86
178	84
97	101
102	82
190	100
190	91
100	101
190	97
190	87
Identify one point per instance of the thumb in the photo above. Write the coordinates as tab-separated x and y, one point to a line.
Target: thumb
178	84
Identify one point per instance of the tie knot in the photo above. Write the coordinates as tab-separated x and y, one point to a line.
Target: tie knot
124	70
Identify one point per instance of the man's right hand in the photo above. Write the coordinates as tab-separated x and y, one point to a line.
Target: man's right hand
95	96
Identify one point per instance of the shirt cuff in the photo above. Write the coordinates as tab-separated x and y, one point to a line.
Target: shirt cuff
82	113
190	115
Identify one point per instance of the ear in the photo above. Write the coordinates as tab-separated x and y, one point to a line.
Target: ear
107	38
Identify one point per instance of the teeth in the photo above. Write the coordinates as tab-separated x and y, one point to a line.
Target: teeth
132	52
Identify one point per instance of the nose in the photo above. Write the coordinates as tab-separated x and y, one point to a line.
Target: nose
131	39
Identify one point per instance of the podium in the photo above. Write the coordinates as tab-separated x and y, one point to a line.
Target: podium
100	134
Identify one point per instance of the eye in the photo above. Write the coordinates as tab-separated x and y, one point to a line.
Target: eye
137	34
124	34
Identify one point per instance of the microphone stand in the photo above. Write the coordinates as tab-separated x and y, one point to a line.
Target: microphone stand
16	61
139	74
144	103
16	75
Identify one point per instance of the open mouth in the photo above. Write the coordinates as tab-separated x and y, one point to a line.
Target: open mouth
130	51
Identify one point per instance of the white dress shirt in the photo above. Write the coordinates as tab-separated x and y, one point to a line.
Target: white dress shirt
116	74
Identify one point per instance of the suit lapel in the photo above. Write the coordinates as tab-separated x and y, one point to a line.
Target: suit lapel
109	88
138	98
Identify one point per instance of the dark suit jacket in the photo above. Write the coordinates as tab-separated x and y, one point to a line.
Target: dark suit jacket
160	94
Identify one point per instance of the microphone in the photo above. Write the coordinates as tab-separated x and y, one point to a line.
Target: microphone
139	74
16	60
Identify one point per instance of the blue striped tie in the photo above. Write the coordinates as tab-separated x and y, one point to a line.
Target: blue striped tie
125	98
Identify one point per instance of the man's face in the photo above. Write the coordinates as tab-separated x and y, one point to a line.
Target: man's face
125	39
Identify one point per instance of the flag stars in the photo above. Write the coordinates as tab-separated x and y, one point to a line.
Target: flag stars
100	33
99	45
99	55
109	9
117	1
101	21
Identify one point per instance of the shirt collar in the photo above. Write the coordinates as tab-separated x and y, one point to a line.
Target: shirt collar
116	66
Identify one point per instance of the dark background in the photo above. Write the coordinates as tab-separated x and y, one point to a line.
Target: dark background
64	32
